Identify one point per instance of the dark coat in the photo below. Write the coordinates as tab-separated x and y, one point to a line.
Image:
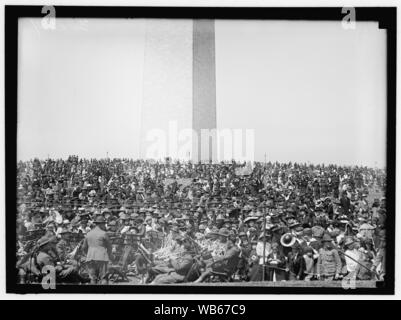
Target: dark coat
296	265
276	268
345	204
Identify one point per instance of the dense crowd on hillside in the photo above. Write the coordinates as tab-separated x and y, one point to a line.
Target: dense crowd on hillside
171	221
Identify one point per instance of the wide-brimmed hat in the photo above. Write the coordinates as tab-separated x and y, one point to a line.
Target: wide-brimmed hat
65	231
99	219
294	224
307	232
349	241
276	228
45	240
299	229
317	231
224	232
250	219
83	214
112	223
326	238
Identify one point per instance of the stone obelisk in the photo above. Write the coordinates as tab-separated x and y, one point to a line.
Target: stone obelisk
179	87
204	88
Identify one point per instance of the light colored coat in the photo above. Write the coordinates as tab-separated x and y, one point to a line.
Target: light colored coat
328	263
98	244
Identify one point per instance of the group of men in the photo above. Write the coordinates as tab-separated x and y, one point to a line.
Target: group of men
229	221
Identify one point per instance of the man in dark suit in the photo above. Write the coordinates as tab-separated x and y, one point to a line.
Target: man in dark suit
98	247
345	203
296	263
276	263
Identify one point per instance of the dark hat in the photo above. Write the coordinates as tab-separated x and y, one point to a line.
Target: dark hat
308	249
299	229
276	228
294	224
83	214
349	241
296	245
289	216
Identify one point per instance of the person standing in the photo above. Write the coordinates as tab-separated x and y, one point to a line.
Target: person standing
329	263
296	263
352	257
256	273
276	263
98	247
310	257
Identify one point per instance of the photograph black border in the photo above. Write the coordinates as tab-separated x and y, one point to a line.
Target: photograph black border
386	18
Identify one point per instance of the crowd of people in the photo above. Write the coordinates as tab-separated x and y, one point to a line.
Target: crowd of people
170	221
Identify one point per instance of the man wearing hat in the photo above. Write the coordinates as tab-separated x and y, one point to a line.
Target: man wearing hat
62	246
296	262
223	263
352	255
329	263
149	223
98	247
125	224
83	226
179	267
112	227
246	248
277	263
264	243
220	245
45	257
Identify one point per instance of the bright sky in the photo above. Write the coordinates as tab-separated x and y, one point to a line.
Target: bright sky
312	91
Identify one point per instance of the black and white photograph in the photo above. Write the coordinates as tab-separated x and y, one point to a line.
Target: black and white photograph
204	151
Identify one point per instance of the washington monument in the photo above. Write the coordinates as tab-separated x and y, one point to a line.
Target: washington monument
180	83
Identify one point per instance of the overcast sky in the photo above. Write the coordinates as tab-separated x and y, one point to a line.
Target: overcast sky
312	91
